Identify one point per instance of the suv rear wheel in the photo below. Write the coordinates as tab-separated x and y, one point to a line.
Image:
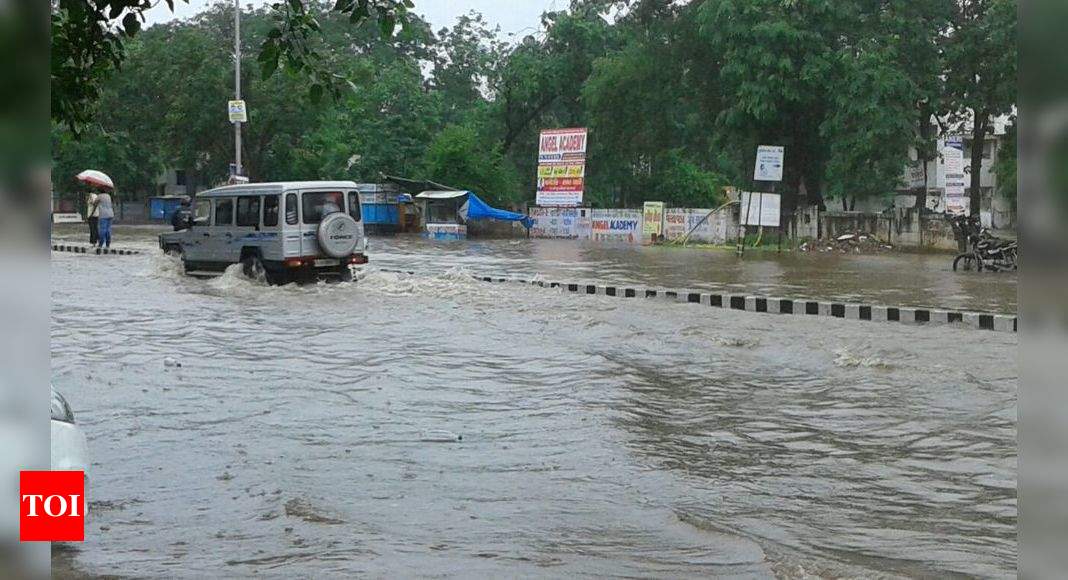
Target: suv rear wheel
252	267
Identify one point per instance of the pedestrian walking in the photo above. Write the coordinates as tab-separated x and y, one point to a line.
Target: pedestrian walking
181	215
92	217
105	214
99	206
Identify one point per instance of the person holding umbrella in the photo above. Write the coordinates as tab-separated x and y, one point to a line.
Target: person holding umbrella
100	205
92	217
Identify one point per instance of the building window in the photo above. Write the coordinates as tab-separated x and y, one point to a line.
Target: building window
179	177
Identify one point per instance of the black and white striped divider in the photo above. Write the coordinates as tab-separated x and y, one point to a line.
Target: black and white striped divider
775	305
91	250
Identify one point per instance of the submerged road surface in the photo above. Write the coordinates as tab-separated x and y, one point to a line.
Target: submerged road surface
435	425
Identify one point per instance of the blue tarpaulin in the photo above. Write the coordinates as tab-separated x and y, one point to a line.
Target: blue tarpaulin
475	209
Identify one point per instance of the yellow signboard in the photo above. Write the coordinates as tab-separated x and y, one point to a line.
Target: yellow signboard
653	218
547	171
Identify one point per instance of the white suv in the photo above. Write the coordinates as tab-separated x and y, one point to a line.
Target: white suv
282	231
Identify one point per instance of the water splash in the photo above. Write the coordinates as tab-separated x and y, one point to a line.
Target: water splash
845	358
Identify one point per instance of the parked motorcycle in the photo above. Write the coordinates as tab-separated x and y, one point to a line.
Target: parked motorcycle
986	251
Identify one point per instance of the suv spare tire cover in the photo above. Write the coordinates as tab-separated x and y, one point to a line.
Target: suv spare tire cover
338	234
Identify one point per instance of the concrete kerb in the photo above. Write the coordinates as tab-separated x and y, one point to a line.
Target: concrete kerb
76	249
778	305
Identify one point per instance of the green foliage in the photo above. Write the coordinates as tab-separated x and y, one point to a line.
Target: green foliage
89	43
685	183
677	95
460	158
870	127
980	59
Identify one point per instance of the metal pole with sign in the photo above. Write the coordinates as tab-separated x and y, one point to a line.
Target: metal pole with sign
237	87
768	167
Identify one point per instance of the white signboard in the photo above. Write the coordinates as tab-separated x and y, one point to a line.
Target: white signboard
237	112
67	218
561	167
769	162
953	171
760	209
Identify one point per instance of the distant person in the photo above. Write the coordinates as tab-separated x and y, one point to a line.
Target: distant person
106	213
332	204
180	217
92	217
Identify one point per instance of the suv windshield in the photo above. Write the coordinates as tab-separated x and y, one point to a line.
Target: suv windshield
321	203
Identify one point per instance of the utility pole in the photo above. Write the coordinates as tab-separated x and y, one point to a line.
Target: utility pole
237	84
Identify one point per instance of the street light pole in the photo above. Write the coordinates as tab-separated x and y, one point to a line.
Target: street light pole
237	84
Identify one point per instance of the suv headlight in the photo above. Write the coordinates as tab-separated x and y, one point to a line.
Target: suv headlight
60	409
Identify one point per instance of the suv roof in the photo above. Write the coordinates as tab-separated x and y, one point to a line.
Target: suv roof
274	187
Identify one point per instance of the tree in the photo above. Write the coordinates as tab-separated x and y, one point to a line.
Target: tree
870	126
464	64
981	73
385	127
89	42
459	158
778	65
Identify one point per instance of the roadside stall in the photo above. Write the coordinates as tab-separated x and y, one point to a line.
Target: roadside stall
441	213
448	212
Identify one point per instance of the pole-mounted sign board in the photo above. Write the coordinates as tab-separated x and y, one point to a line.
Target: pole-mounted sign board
238	114
769	160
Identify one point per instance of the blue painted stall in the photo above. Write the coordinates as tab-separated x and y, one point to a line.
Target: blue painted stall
163	207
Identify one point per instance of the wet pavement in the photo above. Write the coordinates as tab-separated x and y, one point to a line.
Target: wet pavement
308	430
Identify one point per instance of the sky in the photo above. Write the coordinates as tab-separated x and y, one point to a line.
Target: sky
513	16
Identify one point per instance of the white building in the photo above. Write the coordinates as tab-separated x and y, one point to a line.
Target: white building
995	210
172	182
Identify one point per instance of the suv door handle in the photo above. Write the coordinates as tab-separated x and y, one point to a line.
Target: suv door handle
206	234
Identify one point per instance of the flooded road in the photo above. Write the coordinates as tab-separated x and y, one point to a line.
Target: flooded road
309	430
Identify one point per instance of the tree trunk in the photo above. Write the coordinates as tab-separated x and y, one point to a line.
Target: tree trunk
924	156
979	130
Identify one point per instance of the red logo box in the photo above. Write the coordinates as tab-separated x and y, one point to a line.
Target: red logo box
52	506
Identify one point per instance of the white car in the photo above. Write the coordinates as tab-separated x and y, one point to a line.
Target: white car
69	449
281	231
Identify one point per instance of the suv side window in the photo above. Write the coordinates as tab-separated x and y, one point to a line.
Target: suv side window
224	212
202	213
248	211
354	205
270	210
291	209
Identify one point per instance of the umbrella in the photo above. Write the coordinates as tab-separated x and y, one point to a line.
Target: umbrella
98	178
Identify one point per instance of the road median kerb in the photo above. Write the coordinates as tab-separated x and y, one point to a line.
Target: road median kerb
795	306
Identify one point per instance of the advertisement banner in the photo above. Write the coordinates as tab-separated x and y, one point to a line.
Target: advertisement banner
616	225
675	222
561	167
653	218
957	201
560	145
554	222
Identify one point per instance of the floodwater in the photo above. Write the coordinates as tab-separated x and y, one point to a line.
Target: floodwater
432	425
